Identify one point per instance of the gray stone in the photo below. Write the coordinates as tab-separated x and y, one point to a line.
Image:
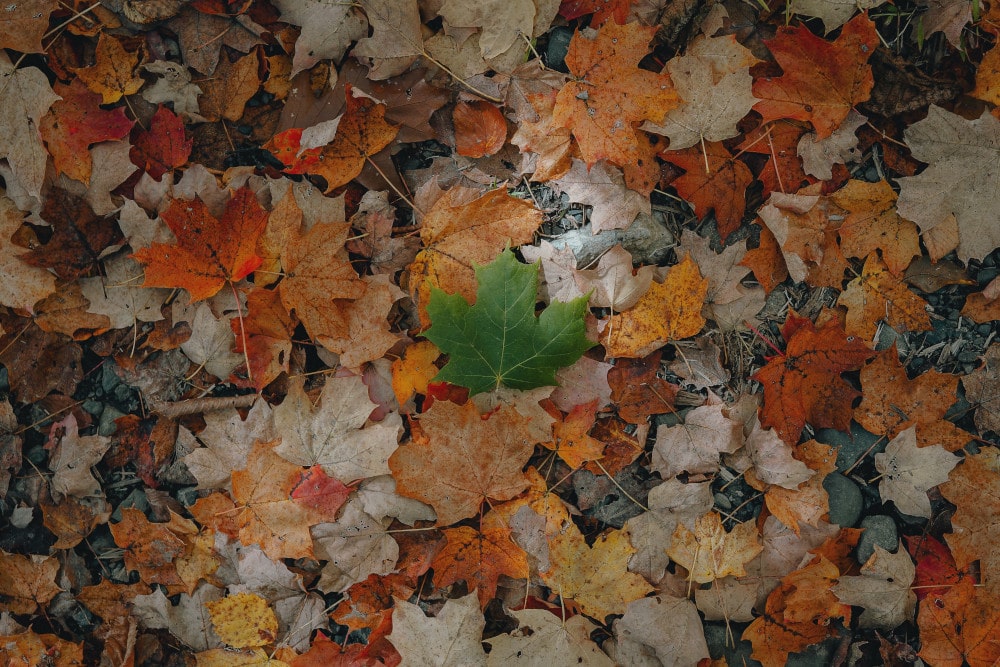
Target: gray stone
846	501
878	529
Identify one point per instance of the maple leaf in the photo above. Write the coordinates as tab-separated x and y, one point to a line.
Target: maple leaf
960	625
594	577
713	80
602	10
361	133
877	295
479	557
113	73
891	402
152	548
21	285
798	613
396	39
25	96
23	25
355	546
603	187
570	439
822	81
981	389
269	495
883	589
804	384
452	637
499	340
74	123
961	154
162	148
974	487
265	336
72	457
228	439
695	445
27	582
778	140
708	552
335	435
327	30
713	181
452	470
668	625
210	251
609	95
668	311
873	223
908	471
542	633
671	504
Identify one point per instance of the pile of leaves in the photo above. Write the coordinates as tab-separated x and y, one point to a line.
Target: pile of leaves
470	332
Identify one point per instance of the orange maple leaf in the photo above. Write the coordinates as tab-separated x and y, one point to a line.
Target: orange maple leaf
804	384
959	625
362	132
797	614
210	251
822	81
479	557
609	95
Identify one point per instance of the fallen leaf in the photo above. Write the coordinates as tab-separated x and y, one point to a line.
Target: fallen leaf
452	637
210	251
877	295
713	81
669	625
327	30
713	181
361	133
21	284
959	153
982	388
974	488
822	81
163	147
608	95
695	445
26	98
27	582
452	470
540	635
602	186
594	577
909	471
112	75
708	552
24	24
498	340
74	123
804	384
883	589
396	40
243	620
479	557
501	22
873	223
269	513
958	626
71	459
799	613
460	232
668	311
335	434
480	129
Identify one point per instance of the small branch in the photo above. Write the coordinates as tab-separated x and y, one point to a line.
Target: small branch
172	410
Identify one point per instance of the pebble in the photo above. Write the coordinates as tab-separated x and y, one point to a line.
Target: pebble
846	501
555	51
878	529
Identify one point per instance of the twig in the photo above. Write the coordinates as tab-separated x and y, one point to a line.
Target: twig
172	410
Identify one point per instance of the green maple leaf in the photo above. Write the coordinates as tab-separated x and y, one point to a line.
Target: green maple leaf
499	340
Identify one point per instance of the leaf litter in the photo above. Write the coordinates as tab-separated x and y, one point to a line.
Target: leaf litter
257	255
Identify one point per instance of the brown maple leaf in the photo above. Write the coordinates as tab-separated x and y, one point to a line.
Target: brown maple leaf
804	384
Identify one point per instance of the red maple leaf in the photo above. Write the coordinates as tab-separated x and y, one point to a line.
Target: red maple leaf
804	384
